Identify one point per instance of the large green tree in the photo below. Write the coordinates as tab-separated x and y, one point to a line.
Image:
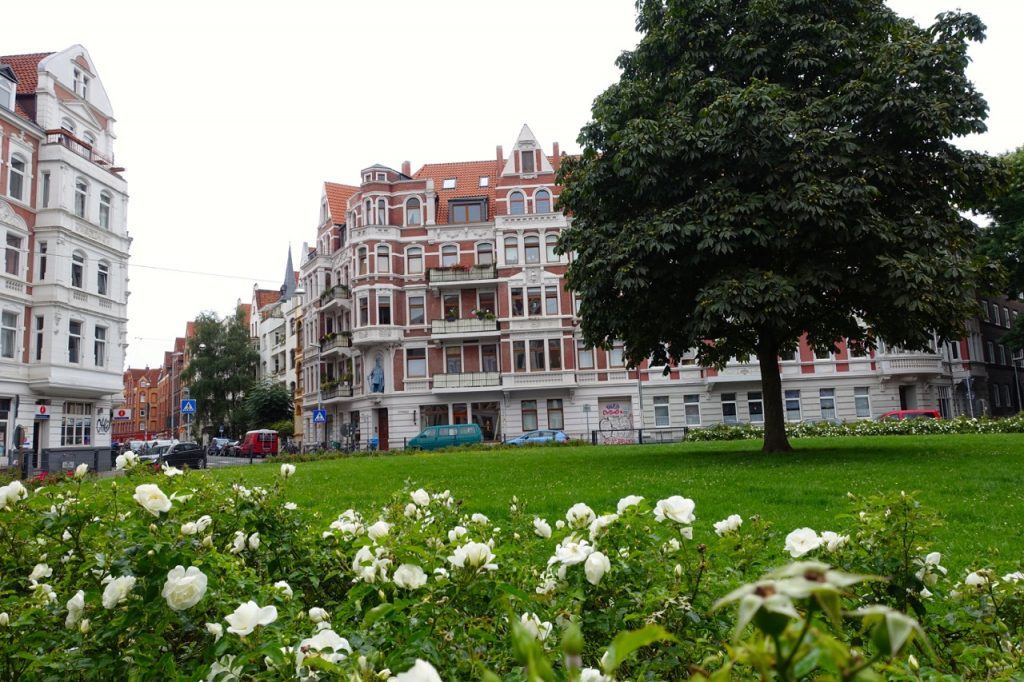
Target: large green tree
1003	240
221	367
765	168
266	403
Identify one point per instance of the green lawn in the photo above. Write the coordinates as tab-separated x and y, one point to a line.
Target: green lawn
976	482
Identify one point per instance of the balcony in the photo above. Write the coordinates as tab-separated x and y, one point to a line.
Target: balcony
372	336
334	345
339	295
601	376
528	380
907	366
466	381
336	392
84	149
459	276
455	329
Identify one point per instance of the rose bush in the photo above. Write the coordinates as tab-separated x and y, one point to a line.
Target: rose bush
156	577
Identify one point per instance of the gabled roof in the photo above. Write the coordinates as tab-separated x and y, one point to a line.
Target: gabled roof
467	176
26	68
265	297
337	200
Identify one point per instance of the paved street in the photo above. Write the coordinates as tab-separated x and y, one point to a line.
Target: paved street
217	462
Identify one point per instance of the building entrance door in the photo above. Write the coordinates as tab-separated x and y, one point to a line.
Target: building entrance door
382	427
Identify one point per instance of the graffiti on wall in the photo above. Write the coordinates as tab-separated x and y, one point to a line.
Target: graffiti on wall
615	426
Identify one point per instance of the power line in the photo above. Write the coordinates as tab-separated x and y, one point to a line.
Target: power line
197	272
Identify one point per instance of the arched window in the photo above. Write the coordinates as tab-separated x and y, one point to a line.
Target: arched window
77	269
383	259
81	196
368	215
511	250
382	212
549	246
516	203
531	246
414	260
542	201
485	254
412	212
89	139
449	255
16	182
105	210
68	125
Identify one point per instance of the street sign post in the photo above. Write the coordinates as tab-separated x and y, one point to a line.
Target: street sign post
188	408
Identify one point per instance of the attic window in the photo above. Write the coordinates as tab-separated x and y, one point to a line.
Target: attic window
382	176
81	84
527	161
485	180
448	183
6	93
367	177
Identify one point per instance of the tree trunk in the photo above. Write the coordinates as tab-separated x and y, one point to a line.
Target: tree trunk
771	386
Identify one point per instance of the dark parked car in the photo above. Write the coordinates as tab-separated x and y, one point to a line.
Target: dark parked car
177	455
542	436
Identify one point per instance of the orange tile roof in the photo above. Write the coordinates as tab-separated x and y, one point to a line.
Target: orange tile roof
26	68
467	183
337	200
265	297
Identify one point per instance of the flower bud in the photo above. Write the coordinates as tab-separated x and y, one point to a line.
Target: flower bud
150	553
83	627
5	620
208	541
678	570
152	528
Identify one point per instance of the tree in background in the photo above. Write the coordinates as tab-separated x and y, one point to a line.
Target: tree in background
266	404
765	168
221	367
1003	240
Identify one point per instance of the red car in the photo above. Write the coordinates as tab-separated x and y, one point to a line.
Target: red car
910	414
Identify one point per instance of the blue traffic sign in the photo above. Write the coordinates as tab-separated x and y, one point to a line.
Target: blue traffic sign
319	416
188	406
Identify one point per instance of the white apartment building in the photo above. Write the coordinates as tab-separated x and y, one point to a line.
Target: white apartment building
437	297
63	204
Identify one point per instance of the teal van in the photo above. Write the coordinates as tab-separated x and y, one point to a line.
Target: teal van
446	436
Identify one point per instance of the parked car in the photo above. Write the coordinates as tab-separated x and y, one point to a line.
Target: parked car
446	436
259	443
217	446
177	455
899	415
540	436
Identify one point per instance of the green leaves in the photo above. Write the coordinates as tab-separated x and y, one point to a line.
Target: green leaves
626	643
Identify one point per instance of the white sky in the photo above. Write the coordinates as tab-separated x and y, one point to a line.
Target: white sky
231	115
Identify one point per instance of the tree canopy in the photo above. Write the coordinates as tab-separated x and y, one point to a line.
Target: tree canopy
769	168
1003	240
221	367
267	403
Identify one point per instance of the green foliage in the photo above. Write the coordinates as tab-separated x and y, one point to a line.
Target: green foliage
266	403
1003	240
221	368
765	169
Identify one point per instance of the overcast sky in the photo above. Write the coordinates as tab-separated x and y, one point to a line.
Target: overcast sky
231	115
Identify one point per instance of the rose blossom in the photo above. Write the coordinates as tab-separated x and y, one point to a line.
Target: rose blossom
675	508
248	615
579	515
284	587
287	470
318	615
117	590
832	540
421	497
321	641
595	567
729	525
75	607
81	470
420	672
627	502
184	588
473	555
152	499
801	541
378	530
535	626
409	577
215	629
542	528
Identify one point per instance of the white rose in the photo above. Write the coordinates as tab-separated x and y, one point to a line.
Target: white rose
40	571
291	506
5	619
254	541
184	588
189	528
378	530
579	516
473	555
627	502
420	672
248	615
421	497
409	577
479	518
318	615
287	470
84	626
320	642
728	525
832	540
284	588
541	528
120	462
977	579
686	532
152	499
456	533
203	522
170	471
535	626
801	541
676	508
571	551
596	566
599	525
215	629
81	470
75	607
117	590
593	675
238	543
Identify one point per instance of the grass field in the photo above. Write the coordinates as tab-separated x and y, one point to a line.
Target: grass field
976	482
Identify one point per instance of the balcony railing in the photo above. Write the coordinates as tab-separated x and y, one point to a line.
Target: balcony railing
338	342
337	293
456	274
463	327
83	149
538	379
467	380
338	391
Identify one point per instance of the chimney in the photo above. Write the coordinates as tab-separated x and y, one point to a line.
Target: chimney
557	159
501	156
407	168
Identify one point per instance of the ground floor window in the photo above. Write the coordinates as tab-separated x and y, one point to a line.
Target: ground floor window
756	406
792	404
827	402
556	418
76	424
433	415
661	417
691	408
729	408
862	401
529	412
460	415
416	362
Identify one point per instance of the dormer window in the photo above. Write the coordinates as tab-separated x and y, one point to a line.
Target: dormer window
526	164
367	177
382	177
81	84
485	180
448	183
7	88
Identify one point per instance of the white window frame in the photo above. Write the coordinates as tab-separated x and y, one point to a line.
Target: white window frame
411	212
8	334
99	349
691	409
755	398
103	278
827	402
862	401
790	399
75	342
414	254
662	416
105	204
412	365
21	174
730	399
81	205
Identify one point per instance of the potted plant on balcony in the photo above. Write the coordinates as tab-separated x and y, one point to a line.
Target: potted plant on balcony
483	314
451	315
328	385
326	338
345	379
